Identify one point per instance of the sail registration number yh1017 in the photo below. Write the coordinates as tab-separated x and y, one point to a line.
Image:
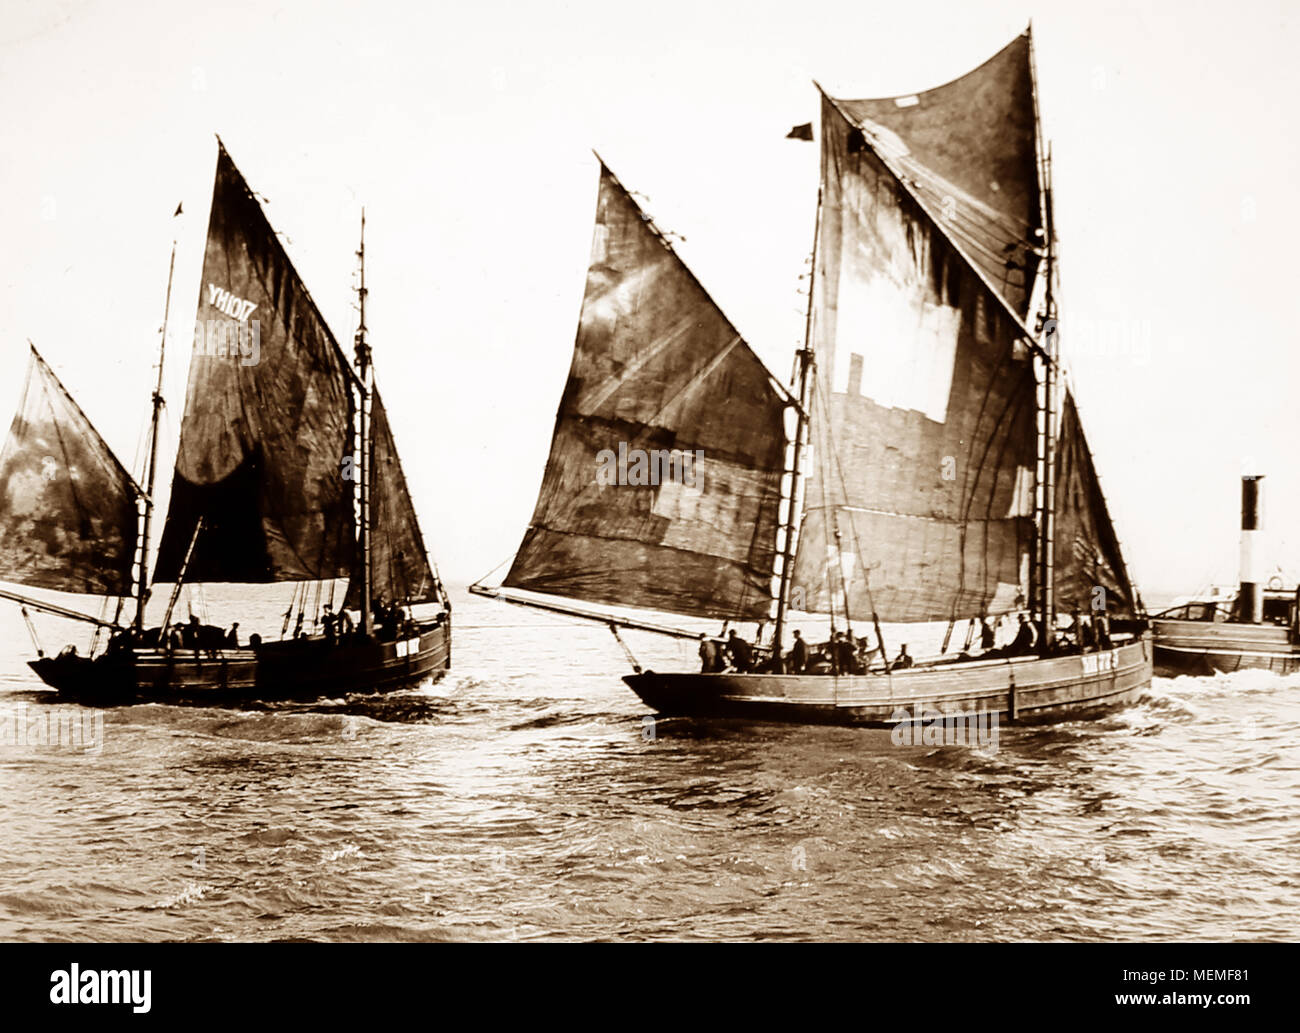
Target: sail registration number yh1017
223	301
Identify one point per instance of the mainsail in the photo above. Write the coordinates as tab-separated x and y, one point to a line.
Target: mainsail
399	564
266	440
663	484
920	503
969	150
67	506
1087	553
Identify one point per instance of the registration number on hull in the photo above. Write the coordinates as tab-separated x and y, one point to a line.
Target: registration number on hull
1097	663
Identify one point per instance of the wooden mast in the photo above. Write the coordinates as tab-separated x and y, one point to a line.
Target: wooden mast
805	360
1043	599
142	588
1051	345
363	435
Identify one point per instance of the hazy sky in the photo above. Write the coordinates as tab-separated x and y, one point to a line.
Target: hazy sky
466	130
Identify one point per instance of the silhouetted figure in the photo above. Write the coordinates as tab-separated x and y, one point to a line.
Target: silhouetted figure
798	656
1023	643
739	652
1101	624
232	636
344	624
988	637
903	661
865	652
842	654
193	637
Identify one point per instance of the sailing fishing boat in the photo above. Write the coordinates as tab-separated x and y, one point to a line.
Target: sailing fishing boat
934	488
286	471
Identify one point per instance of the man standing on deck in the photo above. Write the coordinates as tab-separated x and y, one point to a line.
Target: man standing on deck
843	654
739	652
798	657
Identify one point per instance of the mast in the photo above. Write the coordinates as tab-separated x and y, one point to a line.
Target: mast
363	436
1043	593
805	360
142	593
1051	368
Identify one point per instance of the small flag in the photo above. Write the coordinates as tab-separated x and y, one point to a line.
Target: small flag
178	210
803	132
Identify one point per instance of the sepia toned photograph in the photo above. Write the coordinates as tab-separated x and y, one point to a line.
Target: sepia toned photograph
703	472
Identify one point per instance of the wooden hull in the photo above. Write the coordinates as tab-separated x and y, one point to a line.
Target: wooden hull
303	668
1210	647
1025	689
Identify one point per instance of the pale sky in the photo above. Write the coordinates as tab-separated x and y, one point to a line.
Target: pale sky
466	130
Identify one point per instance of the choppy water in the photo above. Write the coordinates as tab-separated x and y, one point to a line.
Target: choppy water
524	797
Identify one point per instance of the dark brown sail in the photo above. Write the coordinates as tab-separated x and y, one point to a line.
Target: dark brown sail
1089	567
969	149
663	482
265	453
67	506
924	418
399	564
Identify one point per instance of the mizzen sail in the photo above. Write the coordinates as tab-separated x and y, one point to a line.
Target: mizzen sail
399	563
266	439
1089	568
920	502
67	506
663	483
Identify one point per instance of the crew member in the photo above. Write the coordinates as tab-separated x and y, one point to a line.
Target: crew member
798	656
739	652
1024	640
842	654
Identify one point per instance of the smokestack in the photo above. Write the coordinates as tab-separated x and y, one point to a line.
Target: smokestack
1250	597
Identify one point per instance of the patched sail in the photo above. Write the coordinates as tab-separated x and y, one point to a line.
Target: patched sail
663	483
68	516
266	445
969	150
920	499
399	564
1089	569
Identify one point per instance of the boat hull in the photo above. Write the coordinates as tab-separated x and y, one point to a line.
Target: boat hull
1024	689
1220	647
304	668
